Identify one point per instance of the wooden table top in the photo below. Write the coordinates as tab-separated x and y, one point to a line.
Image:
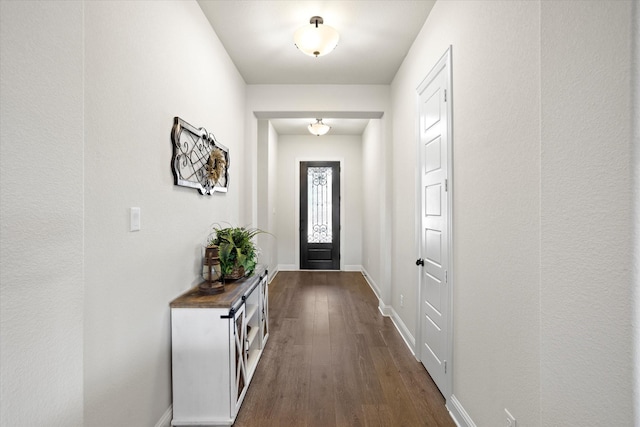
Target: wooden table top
233	291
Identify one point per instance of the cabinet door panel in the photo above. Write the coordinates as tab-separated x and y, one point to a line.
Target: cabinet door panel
239	357
194	398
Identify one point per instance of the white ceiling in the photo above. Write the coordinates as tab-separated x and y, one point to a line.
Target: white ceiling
375	36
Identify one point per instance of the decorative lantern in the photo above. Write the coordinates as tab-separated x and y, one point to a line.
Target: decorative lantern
211	272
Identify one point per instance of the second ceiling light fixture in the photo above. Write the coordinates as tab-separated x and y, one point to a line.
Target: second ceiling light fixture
318	128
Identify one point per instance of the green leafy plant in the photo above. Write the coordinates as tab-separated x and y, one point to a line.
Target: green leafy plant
236	247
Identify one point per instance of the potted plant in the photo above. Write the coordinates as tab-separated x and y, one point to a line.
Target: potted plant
238	255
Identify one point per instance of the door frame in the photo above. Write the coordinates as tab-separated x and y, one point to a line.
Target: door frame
444	62
296	224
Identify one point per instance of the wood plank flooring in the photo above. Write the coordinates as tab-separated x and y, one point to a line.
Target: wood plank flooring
333	360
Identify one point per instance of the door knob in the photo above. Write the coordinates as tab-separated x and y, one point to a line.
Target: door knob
420	261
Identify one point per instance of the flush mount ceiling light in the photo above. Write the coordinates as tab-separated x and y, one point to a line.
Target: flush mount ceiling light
316	39
318	128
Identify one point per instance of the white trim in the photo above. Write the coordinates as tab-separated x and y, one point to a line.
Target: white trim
165	420
206	423
383	308
388	311
458	414
409	340
315	113
293	267
272	274
372	284
635	151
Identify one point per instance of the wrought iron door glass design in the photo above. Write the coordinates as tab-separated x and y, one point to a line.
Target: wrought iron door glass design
319	210
199	160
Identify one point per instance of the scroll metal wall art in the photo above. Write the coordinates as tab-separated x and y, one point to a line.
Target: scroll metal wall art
199	161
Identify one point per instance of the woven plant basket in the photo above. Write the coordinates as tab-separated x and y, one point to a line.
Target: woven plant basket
236	273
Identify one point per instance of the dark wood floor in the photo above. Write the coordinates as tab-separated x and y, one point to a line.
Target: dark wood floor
333	360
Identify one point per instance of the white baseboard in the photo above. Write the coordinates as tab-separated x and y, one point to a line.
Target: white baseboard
384	309
373	285
165	421
409	340
272	274
293	267
458	414
388	311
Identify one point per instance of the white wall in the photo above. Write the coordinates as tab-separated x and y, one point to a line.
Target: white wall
145	63
89	92
295	148
586	246
267	205
271	242
541	206
41	210
343	98
635	147
373	159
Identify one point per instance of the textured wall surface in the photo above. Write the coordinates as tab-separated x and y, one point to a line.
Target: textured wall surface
635	75
585	295
41	210
147	62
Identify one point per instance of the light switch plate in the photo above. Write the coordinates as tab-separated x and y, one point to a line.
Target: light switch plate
135	219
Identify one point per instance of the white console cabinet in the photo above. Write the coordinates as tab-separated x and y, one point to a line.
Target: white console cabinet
216	342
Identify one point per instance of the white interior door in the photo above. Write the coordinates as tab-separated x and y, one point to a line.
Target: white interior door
434	224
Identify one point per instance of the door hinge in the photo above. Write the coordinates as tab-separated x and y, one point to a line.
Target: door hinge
445	366
445	95
446	276
446	185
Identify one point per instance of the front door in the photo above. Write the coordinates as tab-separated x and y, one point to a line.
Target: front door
434	197
320	215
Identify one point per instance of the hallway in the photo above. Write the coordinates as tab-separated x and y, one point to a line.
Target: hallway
546	243
333	360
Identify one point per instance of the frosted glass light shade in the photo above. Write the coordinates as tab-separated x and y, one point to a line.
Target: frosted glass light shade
316	39
318	128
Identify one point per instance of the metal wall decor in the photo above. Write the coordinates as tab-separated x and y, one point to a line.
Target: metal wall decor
199	160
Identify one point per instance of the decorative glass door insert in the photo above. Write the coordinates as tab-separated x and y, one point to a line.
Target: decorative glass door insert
319	209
